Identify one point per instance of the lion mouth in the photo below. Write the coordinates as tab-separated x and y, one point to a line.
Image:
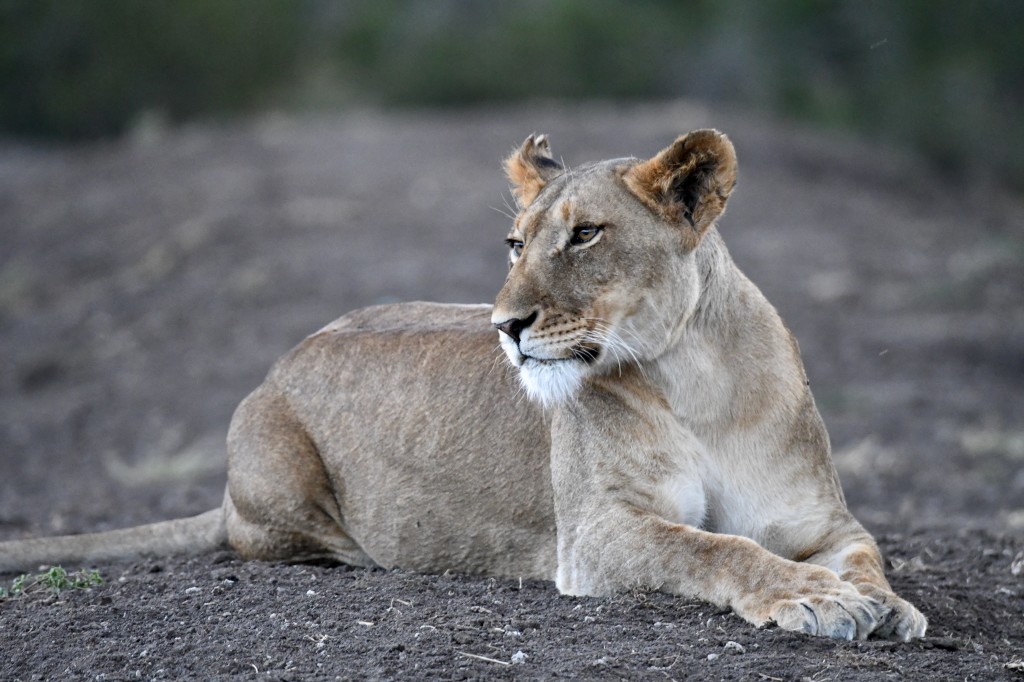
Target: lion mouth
587	354
524	358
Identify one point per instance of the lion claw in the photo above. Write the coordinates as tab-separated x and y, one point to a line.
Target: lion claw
839	617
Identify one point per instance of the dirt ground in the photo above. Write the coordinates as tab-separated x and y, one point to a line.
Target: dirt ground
147	285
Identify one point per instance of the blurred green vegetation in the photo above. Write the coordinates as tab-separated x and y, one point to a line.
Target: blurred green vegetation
88	68
943	77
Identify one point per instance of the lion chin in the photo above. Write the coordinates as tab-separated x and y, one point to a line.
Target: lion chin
551	382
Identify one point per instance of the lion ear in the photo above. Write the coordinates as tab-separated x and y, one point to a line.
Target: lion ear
530	168
688	182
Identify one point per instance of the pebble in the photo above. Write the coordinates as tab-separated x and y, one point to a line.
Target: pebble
735	648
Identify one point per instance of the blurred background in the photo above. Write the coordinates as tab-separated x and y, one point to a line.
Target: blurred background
189	187
942	78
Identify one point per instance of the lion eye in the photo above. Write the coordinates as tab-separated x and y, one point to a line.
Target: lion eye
584	232
516	246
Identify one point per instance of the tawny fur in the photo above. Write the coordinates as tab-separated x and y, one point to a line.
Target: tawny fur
530	167
672	442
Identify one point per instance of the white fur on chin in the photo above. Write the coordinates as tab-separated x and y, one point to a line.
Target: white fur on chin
551	383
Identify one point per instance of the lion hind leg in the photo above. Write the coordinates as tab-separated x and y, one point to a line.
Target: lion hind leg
281	505
267	542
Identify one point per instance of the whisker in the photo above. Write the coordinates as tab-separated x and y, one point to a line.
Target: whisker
520	395
509	206
499	354
608	341
617	345
502	212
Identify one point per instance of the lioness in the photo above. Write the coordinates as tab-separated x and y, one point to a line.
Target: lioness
670	440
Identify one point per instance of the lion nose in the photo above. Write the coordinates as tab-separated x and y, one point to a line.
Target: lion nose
516	325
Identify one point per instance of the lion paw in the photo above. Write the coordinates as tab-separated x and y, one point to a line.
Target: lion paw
848	615
902	620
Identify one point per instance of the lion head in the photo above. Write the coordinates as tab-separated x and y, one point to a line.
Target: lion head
602	268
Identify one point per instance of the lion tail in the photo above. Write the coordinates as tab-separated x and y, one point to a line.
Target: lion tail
189	536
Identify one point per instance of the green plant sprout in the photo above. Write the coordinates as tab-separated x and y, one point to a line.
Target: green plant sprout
54	580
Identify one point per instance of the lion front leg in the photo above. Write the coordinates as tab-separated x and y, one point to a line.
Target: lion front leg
856	559
626	548
629	488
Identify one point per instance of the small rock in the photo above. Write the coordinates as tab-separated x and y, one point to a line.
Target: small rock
1017	567
735	648
712	657
192	590
519	657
